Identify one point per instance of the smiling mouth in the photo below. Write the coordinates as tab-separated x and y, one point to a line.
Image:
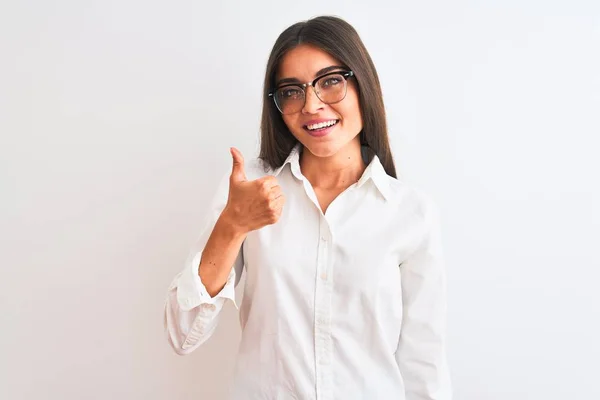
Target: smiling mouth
321	125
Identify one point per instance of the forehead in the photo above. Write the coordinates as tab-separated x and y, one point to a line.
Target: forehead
303	62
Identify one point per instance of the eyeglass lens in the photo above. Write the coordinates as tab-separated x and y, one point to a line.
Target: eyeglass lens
329	89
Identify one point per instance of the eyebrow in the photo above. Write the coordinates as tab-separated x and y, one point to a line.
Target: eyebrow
322	71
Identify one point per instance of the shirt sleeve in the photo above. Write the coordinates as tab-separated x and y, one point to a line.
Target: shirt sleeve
421	353
191	314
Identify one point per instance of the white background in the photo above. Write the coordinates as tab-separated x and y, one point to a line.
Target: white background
115	123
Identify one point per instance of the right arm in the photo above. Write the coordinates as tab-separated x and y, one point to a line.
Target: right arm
220	252
197	294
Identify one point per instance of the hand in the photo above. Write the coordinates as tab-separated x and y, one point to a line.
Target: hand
251	204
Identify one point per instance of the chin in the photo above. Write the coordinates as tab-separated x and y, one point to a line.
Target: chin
322	149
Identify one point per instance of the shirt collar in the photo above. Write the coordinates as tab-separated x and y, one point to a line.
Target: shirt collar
294	160
377	174
374	171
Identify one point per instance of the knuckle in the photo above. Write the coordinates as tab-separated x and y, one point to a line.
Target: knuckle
266	184
264	193
266	201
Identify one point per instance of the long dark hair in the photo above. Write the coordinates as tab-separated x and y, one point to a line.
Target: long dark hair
338	38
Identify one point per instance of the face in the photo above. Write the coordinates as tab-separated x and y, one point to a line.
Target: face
302	64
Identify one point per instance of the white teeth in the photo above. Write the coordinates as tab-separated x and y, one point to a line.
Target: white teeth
321	125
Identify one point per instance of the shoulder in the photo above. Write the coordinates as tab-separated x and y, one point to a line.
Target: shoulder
418	212
413	198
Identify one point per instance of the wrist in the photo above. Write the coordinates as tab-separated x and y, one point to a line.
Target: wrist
229	227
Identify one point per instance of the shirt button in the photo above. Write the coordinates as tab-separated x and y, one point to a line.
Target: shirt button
324	276
209	307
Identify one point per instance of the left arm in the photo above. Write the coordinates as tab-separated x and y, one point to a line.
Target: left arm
421	353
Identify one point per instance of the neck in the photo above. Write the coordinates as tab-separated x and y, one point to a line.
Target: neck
338	171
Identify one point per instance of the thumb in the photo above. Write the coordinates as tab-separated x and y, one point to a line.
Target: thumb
238	174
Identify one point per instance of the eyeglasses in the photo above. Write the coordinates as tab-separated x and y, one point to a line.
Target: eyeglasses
330	88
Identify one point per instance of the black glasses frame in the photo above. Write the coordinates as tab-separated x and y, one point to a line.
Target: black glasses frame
346	74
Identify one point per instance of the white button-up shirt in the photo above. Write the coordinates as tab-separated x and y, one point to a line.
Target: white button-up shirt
349	304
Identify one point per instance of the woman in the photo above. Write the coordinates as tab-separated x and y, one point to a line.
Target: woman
344	295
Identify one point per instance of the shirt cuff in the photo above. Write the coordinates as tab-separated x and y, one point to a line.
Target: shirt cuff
191	292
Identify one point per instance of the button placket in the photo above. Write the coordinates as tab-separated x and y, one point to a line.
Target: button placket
323	345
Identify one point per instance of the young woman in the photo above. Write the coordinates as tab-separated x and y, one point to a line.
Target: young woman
344	295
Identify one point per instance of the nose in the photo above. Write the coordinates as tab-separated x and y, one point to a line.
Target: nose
312	103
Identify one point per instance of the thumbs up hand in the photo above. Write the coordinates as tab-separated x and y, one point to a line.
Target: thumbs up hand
252	204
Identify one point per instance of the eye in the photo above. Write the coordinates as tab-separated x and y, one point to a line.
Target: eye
290	93
331	81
